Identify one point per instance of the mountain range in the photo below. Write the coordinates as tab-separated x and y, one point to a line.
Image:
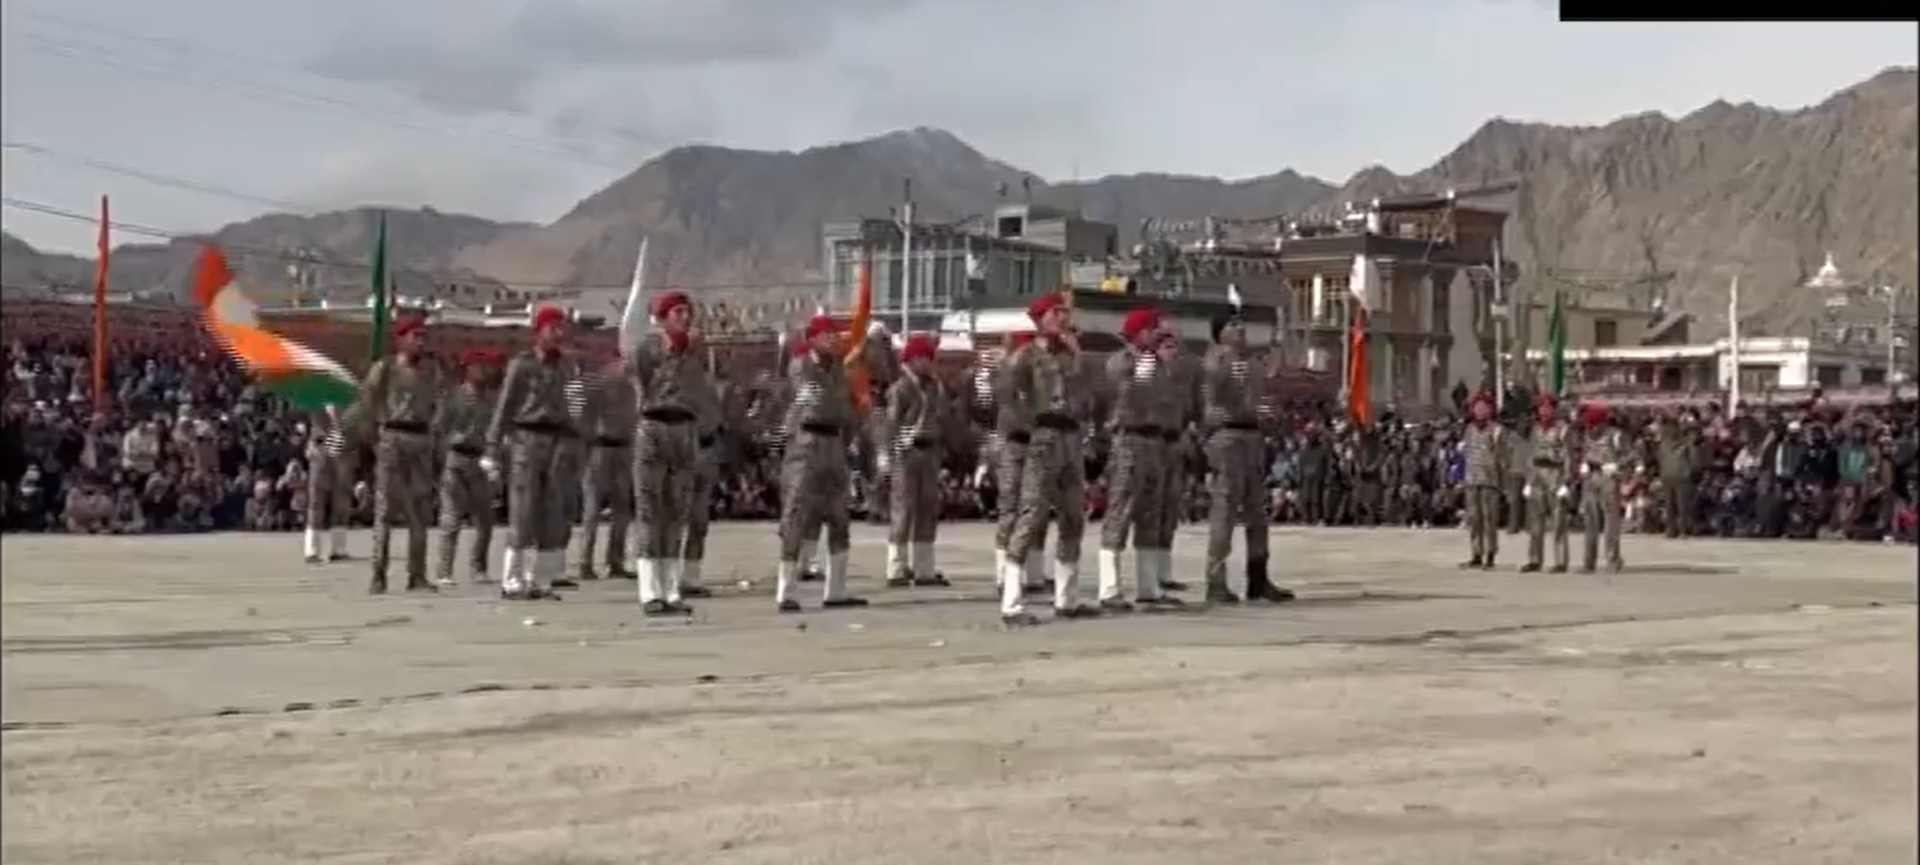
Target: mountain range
1728	189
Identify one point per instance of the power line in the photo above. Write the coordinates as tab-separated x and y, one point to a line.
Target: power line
156	178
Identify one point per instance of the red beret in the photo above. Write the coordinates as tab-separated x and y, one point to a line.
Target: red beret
1044	304
920	345
410	323
1018	339
1481	396
1593	414
1139	321
548	316
666	301
820	324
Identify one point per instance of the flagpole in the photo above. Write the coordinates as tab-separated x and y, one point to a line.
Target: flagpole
100	312
1733	343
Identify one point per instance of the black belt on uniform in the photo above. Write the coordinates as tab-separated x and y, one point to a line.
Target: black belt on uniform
1020	437
1056	422
1146	431
820	429
708	441
547	429
611	442
1241	426
472	451
667	414
1545	464
924	444
400	426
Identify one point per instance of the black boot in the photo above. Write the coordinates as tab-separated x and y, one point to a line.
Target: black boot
1260	587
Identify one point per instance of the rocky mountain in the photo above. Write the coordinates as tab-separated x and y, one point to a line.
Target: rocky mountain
1727	189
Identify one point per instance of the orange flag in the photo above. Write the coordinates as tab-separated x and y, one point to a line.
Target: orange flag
856	342
100	313
1359	395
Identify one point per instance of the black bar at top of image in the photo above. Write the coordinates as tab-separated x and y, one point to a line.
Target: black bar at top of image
1656	11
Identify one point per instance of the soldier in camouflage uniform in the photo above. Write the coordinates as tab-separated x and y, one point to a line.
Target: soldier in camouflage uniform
722	434
1236	459
1485	441
400	401
668	378
1049	380
1548	493
329	489
915	433
814	474
533	423
1185	450
1009	455
1144	402
1601	456
466	493
612	414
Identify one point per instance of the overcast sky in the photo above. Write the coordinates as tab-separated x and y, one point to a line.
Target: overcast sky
515	109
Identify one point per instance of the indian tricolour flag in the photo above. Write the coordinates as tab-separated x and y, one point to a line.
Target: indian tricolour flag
302	376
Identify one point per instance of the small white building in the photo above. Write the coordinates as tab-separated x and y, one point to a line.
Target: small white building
1765	363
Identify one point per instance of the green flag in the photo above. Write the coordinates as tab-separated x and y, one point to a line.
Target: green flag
378	274
1557	349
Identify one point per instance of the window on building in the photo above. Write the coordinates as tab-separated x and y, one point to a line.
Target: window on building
1873	376
1606	333
1644	375
1754	377
1442	305
1827	375
1671	378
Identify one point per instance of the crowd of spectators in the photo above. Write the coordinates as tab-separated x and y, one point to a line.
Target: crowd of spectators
188	444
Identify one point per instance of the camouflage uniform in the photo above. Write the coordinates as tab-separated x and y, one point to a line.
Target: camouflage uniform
668	381
1010	439
612	414
466	493
1051	386
914	429
814	478
1187	449
722	426
1547	495
1144	403
1485	445
534	421
1236	481
1600	513
401	400
329	490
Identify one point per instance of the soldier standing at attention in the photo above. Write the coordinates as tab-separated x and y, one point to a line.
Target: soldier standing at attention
329	488
1236	458
1600	488
913	439
1141	389
465	491
533	420
1009	465
721	435
610	417
1183	417
814	472
1679	465
1047	378
667	378
1548	494
1485	444
400	401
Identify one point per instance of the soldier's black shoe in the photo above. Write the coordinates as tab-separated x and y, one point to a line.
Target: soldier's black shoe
339	557
788	606
377	586
1487	565
421	585
656	607
315	560
1161	604
586	574
812	575
1044	587
695	592
680	608
938	580
1472	563
903	581
539	594
1173	585
1557	569
1218	593
1264	591
1078	611
1115	605
1019	620
842	603
563	583
1530	568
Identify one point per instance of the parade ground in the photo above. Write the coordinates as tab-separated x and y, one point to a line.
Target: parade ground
210	700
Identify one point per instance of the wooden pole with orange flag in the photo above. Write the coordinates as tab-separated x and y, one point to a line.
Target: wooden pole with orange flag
100	313
856	362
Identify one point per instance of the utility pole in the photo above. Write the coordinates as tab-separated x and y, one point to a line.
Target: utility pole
1733	343
1500	317
906	261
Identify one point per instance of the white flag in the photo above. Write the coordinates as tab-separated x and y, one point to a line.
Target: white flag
1364	281
633	319
1233	296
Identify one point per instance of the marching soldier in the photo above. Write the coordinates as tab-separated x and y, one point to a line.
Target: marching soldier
722	440
1184	419
329	489
612	413
1046	379
1009	464
465	491
534	423
914	437
667	376
1141	388
1548	494
1600	514
400	402
814	473
1485	442
1236	457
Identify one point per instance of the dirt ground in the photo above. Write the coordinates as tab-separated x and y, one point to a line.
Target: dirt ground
209	700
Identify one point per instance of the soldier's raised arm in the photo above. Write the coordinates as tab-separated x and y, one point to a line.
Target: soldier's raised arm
512	392
369	410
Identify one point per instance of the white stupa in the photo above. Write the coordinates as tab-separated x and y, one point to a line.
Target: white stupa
1829	276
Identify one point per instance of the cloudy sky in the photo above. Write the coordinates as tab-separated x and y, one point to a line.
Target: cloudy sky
194	113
